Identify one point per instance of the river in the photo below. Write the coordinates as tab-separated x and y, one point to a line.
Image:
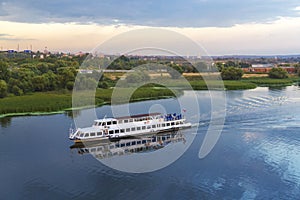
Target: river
256	156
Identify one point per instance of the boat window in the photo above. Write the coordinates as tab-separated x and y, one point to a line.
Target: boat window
122	130
133	129
93	150
81	135
181	122
148	127
172	123
130	120
96	123
127	129
177	123
117	145
138	128
114	122
99	149
103	123
168	124
111	132
123	144
109	123
99	133
126	121
158	125
154	139
138	142
153	126
117	131
92	134
128	144
163	125
87	135
133	143
143	127
144	142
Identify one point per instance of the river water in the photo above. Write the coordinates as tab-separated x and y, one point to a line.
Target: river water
256	157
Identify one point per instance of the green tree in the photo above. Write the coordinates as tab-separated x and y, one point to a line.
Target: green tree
3	89
42	67
103	84
175	71
40	83
202	66
17	91
133	78
231	73
65	75
278	73
4	71
297	68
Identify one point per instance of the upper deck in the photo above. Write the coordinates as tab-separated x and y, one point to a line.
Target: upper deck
126	119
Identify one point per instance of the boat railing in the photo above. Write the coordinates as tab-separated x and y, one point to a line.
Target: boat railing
171	117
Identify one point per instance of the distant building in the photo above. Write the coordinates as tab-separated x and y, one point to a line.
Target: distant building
262	65
266	68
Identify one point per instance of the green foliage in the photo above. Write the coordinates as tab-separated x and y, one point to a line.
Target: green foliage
17	91
270	81
297	68
37	102
4	71
278	73
175	71
137	77
103	84
84	82
202	67
3	89
231	73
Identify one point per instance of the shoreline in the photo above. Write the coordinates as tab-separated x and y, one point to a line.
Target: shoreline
38	113
63	101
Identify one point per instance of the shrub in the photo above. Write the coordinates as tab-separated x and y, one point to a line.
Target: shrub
231	73
3	89
278	73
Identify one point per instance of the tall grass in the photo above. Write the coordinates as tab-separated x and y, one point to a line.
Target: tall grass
47	102
37	102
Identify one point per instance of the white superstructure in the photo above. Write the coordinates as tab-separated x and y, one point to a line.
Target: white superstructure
129	126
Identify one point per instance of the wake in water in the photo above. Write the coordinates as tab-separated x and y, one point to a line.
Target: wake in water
255	103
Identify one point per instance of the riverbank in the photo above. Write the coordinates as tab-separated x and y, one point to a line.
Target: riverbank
45	103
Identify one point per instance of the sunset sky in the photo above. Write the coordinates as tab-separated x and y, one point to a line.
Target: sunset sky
220	26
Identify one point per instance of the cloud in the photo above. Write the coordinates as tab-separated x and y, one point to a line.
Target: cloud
4	34
171	13
9	37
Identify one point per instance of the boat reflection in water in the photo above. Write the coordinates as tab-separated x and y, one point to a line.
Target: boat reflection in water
130	145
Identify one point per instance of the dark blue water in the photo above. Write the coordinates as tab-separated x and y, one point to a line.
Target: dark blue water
256	157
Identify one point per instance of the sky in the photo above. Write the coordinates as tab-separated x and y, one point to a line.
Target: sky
222	27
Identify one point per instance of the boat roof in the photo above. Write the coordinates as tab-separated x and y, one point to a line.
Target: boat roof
138	116
127	117
105	120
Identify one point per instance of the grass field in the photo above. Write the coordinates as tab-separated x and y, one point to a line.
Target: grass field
52	102
265	81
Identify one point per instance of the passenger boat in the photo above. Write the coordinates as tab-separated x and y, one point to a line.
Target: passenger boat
121	127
